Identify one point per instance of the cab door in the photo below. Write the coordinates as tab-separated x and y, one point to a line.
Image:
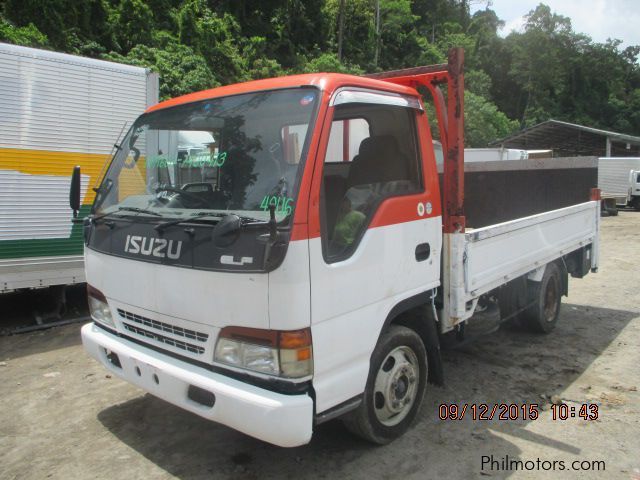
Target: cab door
375	231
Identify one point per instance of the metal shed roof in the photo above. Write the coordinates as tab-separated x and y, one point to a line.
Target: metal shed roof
569	139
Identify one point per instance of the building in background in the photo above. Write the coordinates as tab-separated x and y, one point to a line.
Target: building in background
571	140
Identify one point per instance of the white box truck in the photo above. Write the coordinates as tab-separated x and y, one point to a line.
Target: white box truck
619	181
56	111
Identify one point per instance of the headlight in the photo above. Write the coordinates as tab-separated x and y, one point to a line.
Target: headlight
99	307
282	353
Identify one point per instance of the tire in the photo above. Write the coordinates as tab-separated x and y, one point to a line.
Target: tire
395	387
543	315
636	204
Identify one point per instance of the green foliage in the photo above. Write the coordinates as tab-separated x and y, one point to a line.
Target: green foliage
328	62
28	36
545	71
135	22
483	122
68	24
181	69
213	37
255	62
478	82
398	37
359	30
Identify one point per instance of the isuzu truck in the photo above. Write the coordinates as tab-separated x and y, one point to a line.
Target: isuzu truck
278	253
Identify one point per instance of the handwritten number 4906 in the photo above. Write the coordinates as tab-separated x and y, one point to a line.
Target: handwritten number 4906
282	204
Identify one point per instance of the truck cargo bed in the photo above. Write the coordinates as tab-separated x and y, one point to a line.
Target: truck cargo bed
482	259
36	272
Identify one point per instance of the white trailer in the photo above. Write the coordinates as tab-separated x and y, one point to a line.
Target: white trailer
56	111
472	155
619	181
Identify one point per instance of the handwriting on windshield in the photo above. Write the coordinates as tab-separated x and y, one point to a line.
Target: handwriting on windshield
195	160
282	204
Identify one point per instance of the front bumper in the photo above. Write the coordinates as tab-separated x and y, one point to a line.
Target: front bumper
284	420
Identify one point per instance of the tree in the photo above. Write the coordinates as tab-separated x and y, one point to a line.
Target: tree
358	43
135	22
28	36
400	43
181	69
483	122
329	62
68	24
546	71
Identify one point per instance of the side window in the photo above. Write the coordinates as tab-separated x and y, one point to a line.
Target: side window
371	155
345	139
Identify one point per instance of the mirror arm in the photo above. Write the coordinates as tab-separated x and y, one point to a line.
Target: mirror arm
74	191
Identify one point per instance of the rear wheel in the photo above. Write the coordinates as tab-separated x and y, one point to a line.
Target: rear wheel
542	316
395	387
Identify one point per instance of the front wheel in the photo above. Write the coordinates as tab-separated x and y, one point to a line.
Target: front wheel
395	387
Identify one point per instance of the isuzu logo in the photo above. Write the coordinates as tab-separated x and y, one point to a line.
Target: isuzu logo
153	247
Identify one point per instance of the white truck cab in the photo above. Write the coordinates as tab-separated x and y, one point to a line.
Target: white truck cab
634	188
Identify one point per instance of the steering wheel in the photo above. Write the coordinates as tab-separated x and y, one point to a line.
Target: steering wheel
187	186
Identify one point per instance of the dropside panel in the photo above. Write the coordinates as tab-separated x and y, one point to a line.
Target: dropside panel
481	260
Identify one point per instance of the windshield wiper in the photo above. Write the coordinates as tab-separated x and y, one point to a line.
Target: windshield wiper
245	221
161	226
139	210
126	209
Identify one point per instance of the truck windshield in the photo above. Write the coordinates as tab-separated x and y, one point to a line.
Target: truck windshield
237	154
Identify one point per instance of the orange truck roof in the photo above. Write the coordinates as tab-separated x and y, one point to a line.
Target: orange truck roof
327	82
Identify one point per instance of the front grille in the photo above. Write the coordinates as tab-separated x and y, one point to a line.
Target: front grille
189	347
164	327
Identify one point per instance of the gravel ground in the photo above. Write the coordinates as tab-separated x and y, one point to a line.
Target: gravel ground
64	417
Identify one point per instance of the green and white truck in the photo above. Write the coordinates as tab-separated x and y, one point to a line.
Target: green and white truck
56	111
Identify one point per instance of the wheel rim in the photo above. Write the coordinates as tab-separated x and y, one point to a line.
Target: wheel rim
396	386
551	299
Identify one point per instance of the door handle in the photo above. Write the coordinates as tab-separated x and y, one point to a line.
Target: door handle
422	252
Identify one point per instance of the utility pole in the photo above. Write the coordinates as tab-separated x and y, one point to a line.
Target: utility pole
340	29
375	58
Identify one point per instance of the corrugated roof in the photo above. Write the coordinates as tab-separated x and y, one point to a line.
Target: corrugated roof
570	139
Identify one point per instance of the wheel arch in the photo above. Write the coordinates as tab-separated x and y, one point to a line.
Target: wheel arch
415	313
561	263
564	276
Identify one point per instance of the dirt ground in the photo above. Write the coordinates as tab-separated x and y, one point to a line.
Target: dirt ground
63	417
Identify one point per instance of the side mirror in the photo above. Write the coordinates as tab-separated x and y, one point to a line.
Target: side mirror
74	191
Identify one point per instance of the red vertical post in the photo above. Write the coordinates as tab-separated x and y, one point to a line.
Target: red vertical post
345	141
453	182
440	106
286	141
